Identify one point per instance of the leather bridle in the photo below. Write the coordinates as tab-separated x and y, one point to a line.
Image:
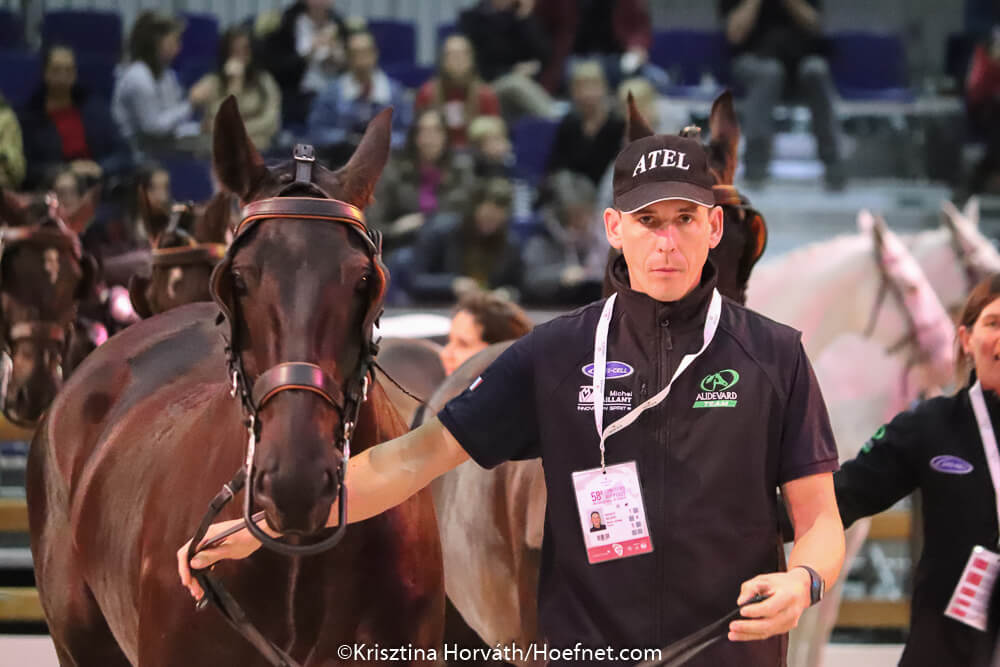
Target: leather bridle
288	376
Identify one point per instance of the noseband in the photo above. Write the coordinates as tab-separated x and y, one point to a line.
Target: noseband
288	376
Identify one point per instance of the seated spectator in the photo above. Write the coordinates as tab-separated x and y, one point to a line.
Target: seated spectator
64	123
778	42
426	177
491	149
148	102
615	33
67	185
564	263
590	135
255	90
124	230
341	112
455	253
305	54
11	148
983	99
480	320
510	51
457	90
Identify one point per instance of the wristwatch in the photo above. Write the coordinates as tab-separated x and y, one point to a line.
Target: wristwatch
817	587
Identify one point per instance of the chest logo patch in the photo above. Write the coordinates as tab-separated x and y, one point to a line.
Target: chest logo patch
615	400
951	465
716	390
613	370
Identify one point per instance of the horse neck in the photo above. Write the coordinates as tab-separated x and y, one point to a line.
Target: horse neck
824	290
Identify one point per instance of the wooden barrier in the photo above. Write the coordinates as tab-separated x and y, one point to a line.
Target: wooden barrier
13	515
874	613
20	605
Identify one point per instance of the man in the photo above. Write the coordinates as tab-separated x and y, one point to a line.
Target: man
686	490
776	42
341	112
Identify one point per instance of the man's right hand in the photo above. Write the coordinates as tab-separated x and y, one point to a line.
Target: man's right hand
236	546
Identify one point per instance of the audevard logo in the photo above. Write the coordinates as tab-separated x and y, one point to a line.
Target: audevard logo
715	390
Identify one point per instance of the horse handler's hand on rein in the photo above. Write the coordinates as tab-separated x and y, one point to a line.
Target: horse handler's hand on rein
788	597
238	545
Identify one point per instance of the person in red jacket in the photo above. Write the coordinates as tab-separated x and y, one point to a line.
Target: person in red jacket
457	90
982	93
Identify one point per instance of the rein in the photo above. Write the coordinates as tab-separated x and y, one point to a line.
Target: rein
287	376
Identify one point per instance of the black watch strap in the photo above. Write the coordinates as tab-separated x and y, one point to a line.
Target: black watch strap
816	585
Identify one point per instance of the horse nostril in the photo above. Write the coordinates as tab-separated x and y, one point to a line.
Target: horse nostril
329	486
21	397
265	484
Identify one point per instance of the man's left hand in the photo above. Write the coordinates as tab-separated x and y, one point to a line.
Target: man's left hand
788	597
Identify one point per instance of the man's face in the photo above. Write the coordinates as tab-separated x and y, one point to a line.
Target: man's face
362	56
665	245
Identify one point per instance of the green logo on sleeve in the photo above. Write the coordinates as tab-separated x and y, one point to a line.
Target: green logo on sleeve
715	390
879	434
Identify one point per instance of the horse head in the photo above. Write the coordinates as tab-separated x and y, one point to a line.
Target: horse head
188	241
301	287
43	276
976	253
745	232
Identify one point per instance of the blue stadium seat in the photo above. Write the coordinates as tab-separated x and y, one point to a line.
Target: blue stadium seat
199	47
11	31
190	178
532	138
869	66
686	55
87	31
410	75
397	41
96	73
20	75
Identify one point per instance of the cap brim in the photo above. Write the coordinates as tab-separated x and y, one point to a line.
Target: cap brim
650	193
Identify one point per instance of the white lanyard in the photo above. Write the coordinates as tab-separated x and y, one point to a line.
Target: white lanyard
601	358
988	439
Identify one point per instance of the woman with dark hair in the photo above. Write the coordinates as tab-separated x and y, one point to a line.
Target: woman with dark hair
457	90
255	90
425	178
64	123
148	101
455	253
946	448
480	320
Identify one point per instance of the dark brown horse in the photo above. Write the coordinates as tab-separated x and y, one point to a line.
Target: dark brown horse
146	432
188	241
44	275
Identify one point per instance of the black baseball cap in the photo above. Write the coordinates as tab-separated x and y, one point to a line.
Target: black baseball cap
661	167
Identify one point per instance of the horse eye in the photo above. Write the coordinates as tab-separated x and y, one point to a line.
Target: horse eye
363	283
239	284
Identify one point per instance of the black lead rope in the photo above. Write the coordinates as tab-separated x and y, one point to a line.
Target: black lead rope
682	650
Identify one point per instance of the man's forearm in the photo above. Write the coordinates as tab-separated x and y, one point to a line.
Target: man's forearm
741	20
804	14
821	547
385	475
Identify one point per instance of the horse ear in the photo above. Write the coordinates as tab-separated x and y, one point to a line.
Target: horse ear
866	221
12	209
636	127
137	287
238	165
91	275
356	180
211	226
725	129
80	217
972	211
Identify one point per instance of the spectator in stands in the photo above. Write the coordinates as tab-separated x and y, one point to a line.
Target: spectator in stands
148	102
341	112
255	90
457	90
983	100
480	320
490	146
590	135
124	231
511	51
68	186
11	148
455	253
64	123
426	177
564	263
617	33
778	41
306	54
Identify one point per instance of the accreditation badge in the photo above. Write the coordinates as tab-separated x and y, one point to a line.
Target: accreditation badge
970	603
612	512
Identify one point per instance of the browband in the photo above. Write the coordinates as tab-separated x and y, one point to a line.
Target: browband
40	235
309	208
200	253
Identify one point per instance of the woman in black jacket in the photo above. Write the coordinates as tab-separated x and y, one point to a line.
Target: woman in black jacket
939	448
63	123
